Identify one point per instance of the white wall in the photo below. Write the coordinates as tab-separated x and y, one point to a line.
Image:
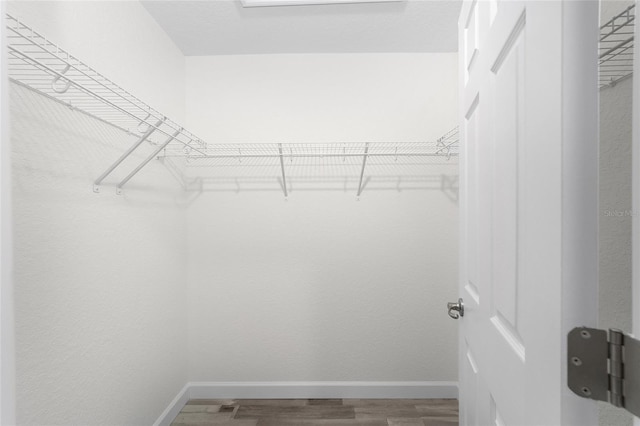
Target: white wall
100	297
615	206
321	98
322	287
319	288
615	220
120	40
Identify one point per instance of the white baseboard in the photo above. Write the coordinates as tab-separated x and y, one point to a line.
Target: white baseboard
255	390
174	407
285	390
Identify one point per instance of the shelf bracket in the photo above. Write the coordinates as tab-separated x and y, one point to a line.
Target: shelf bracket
284	179
146	161
364	164
150	130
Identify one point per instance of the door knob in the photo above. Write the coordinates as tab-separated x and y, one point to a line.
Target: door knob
456	310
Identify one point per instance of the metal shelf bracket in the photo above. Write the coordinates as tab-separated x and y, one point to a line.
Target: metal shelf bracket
124	156
151	156
364	164
284	178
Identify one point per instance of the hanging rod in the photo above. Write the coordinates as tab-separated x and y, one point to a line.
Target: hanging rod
311	155
615	51
39	64
444	148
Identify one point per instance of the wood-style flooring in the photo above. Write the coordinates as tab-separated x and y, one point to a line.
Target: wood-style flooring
319	412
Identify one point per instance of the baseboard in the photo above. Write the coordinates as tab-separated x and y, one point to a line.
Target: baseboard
277	390
174	407
255	390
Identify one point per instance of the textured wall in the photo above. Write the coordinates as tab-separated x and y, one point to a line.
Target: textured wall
322	287
615	219
100	297
322	97
615	206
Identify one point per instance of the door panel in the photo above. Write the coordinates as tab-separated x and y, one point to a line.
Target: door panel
470	411
472	224
506	82
470	34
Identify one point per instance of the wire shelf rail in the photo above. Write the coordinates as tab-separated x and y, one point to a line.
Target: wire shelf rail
615	54
41	65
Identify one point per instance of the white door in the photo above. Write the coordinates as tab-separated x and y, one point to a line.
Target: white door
529	126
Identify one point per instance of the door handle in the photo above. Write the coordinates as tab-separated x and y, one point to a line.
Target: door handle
456	310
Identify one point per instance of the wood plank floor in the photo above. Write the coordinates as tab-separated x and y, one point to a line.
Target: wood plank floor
319	412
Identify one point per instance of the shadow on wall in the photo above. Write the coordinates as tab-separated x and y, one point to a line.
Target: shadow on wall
319	174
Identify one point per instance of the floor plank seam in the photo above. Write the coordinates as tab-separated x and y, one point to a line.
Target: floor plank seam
318	412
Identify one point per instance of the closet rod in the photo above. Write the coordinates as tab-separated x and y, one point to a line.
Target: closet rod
318	155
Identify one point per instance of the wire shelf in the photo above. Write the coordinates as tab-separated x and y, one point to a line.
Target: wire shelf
37	62
221	154
41	65
615	55
305	162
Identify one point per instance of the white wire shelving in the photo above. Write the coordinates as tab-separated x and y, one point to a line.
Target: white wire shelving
615	55
41	65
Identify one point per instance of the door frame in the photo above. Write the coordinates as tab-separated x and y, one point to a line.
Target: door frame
7	341
580	154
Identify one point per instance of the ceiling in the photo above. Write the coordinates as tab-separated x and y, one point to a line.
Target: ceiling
224	27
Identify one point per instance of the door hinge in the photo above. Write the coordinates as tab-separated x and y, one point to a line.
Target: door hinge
605	369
